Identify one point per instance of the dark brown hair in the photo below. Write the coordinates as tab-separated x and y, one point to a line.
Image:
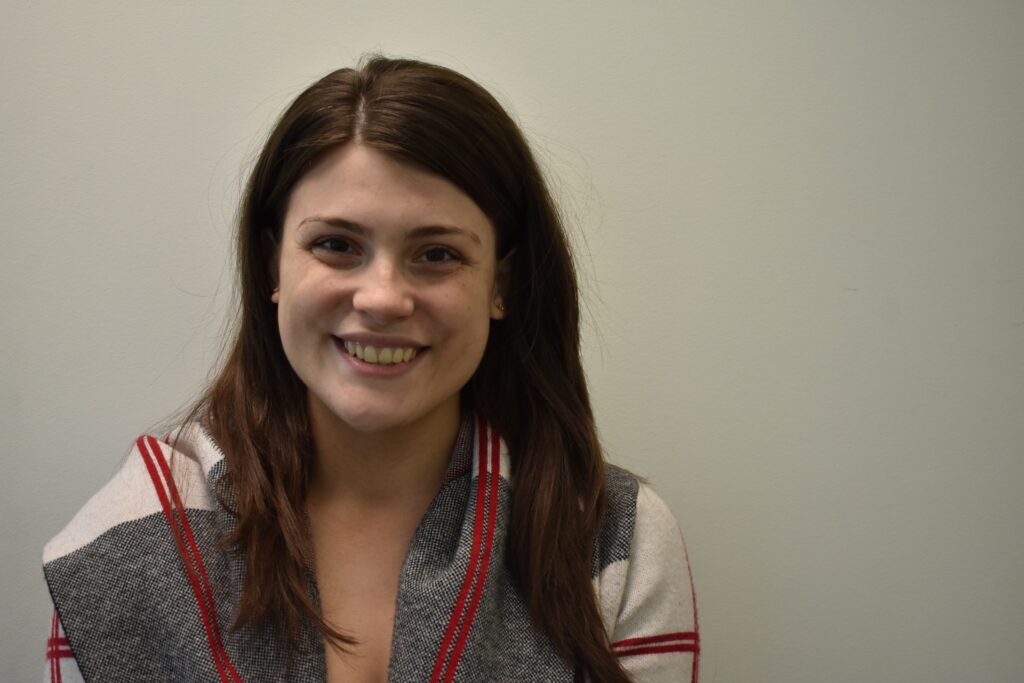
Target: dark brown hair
530	384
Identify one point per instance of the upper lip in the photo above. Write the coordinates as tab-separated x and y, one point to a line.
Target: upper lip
380	340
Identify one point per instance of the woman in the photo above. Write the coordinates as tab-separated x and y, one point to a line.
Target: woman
339	505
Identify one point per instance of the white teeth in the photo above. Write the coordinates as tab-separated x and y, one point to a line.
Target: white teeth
380	356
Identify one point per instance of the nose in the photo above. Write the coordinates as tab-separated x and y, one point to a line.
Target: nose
383	294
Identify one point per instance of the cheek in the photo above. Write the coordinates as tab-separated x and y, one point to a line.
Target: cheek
294	313
309	299
466	310
303	324
476	327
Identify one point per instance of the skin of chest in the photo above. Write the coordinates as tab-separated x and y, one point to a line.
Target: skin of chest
358	563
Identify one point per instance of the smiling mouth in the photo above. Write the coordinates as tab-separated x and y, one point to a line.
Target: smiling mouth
380	355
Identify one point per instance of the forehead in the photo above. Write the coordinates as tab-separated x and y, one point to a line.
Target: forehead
361	185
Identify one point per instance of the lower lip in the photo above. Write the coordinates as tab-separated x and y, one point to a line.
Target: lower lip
378	369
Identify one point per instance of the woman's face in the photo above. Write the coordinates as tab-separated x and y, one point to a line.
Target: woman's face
387	285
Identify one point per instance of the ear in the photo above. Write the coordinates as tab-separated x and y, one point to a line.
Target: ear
273	251
501	283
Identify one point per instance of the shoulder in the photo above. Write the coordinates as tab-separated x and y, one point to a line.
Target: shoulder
644	583
636	517
122	556
152	474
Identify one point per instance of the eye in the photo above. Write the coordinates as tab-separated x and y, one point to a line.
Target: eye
438	255
334	245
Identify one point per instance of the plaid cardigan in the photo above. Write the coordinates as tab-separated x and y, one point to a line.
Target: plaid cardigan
142	591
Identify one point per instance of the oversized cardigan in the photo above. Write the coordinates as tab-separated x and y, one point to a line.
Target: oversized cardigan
143	591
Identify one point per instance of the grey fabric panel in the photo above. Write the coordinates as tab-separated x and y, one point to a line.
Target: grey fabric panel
616	535
431	579
130	613
502	643
505	646
120	601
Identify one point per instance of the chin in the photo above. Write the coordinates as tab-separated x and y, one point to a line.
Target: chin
369	417
369	421
372	412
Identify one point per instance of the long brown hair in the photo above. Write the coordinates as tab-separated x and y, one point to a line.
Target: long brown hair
530	384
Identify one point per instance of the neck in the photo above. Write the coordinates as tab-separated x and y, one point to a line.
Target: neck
402	466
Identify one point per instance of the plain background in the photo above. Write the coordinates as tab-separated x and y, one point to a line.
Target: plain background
801	235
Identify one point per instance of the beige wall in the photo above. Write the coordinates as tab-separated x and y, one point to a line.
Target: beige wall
802	233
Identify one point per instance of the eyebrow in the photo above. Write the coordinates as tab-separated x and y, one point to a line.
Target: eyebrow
420	232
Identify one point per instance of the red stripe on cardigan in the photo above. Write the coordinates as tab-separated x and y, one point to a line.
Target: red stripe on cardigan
682	641
492	516
193	547
173	516
682	635
56	642
467	582
52	655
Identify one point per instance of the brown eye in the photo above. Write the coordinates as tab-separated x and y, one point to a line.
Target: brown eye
334	245
438	255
